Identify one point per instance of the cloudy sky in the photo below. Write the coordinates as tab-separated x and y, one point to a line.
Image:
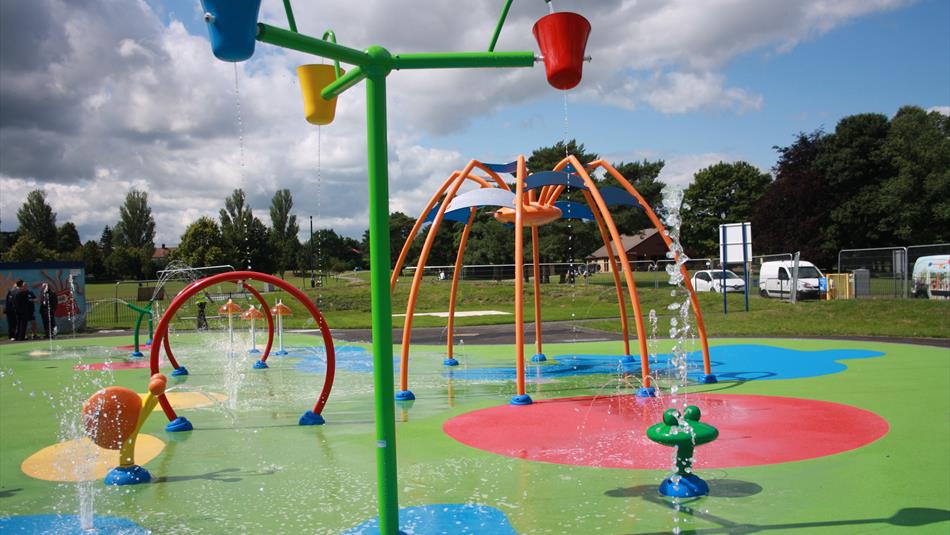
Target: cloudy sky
99	96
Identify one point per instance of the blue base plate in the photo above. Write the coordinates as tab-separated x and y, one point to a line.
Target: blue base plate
179	424
311	418
405	395
646	392
260	365
523	399
539	358
181	370
450	362
687	487
127	475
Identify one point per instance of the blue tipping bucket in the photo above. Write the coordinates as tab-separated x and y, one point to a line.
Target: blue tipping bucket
233	27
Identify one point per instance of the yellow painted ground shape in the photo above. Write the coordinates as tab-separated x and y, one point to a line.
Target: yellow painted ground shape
191	400
56	462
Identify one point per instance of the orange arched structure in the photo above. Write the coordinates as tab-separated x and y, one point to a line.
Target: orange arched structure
311	417
533	204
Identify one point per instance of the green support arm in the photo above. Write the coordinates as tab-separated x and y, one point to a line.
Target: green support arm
311	45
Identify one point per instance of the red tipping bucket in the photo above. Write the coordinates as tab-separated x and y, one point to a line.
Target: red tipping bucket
562	38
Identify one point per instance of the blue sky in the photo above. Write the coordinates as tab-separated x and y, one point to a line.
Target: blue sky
137	101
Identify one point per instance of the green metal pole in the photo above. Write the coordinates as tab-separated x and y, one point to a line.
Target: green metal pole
290	16
311	45
379	287
501	22
463	60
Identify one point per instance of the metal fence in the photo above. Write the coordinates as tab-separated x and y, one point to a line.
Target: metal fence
886	272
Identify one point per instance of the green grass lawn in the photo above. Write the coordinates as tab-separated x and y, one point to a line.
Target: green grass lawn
345	302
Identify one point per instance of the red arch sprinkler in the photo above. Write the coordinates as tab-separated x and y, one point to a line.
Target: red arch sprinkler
180	423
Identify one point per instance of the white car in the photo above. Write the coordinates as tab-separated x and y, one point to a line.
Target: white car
711	280
775	279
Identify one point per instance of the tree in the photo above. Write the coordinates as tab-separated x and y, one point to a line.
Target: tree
91	255
136	226
106	241
284	230
795	210
67	238
201	244
644	177
246	243
721	193
545	158
27	249
854	165
38	220
130	263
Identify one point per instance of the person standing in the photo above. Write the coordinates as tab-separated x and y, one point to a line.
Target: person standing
48	302
24	309
202	302
9	308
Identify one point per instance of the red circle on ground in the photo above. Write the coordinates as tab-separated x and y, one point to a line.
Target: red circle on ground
114	365
610	431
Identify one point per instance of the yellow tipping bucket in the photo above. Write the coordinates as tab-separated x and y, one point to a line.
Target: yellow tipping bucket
313	78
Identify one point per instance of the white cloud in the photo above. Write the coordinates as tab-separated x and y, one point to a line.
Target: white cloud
942	110
100	96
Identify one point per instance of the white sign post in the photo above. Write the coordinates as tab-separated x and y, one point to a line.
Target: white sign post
735	246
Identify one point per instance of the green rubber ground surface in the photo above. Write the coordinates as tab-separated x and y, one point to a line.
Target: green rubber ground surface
252	469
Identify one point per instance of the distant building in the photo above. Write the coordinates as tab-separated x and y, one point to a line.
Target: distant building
161	253
646	245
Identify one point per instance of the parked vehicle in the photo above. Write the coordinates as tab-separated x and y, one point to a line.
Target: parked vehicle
775	279
711	280
932	277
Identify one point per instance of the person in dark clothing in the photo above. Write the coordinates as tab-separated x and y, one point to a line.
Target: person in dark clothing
48	301
9	308
24	309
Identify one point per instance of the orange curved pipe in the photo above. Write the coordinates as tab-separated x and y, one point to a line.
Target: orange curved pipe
537	291
417	276
622	254
501	183
456	273
614	270
421	221
694	301
415	229
519	276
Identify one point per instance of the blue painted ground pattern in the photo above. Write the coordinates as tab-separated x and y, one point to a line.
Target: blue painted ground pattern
440	519
741	362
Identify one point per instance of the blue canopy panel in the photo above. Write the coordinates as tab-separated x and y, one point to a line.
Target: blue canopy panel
510	167
553	178
482	197
457	215
574	210
617	197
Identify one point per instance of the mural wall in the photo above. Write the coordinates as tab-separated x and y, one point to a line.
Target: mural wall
68	281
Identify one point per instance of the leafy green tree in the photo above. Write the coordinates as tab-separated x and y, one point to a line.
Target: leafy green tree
131	263
136	226
284	230
545	158
38	220
67	238
329	253
106	241
915	205
721	193
854	165
246	243
644	177
795	210
91	255
27	249
201	244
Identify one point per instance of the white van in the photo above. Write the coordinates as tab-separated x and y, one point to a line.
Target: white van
932	277
775	279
